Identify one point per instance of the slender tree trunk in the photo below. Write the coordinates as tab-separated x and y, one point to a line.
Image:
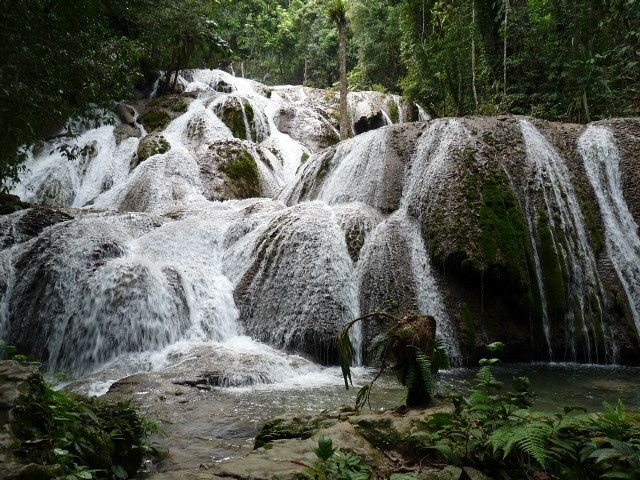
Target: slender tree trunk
473	53
306	72
345	128
242	68
504	48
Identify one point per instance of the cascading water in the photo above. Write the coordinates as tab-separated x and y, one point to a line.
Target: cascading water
602	162
155	268
570	243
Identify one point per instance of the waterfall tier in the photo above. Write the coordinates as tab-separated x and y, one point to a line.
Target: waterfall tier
230	210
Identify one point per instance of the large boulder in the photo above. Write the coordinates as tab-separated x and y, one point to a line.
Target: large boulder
299	290
75	301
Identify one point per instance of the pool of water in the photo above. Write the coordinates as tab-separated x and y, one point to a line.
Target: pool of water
559	385
205	426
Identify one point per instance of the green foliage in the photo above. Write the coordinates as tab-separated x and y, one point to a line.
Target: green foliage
87	438
495	431
66	59
334	464
83	438
411	343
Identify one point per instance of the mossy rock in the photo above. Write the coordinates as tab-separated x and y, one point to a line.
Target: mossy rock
149	146
505	243
173	103
243	174
154	119
554	271
11	203
224	87
282	428
355	238
394	112
233	112
39	421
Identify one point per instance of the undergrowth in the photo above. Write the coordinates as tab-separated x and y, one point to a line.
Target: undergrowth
73	437
494	430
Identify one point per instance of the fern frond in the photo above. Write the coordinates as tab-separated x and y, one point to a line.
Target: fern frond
426	371
530	438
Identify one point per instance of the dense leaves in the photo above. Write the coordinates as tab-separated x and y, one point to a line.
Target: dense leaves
576	61
61	59
496	431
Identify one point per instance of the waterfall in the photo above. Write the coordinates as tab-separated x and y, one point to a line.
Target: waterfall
570	242
602	162
164	256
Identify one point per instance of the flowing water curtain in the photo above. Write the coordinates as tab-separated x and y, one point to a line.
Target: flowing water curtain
569	267
601	158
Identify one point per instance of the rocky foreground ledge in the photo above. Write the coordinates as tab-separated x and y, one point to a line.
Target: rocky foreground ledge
285	444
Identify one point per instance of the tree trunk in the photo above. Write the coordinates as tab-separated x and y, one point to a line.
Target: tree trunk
504	49
345	129
473	53
306	72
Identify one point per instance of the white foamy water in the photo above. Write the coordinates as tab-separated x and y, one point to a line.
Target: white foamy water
552	177
155	275
602	162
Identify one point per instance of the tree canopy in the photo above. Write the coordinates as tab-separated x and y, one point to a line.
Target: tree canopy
572	61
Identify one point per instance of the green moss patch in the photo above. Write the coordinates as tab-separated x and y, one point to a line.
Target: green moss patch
175	103
244	175
394	112
286	428
355	238
148	147
553	272
154	119
504	238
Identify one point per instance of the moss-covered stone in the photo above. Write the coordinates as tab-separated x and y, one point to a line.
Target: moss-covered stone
553	275
282	428
174	103
325	166
244	175
394	112
238	114
355	238
505	240
149	146
154	119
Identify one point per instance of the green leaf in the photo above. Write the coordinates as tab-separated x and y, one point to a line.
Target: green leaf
495	347
119	472
325	448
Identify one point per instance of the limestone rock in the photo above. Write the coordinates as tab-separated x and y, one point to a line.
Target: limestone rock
125	131
153	144
126	114
229	170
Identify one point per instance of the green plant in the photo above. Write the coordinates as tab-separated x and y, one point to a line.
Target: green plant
409	342
334	464
85	438
496	431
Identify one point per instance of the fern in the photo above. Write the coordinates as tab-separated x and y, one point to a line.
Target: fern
426	371
530	438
